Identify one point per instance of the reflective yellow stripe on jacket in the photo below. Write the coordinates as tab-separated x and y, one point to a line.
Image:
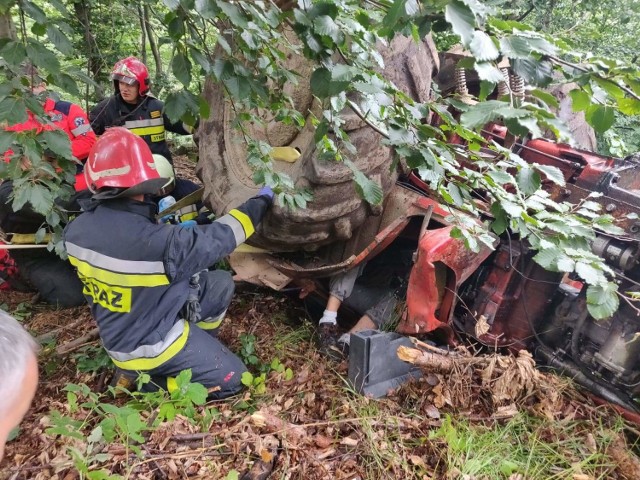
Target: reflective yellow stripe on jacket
109	282
240	224
152	126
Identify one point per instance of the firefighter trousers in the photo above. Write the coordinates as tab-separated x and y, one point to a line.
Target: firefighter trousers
212	364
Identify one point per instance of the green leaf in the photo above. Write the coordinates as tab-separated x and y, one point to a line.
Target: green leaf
461	19
42	57
181	67
34	11
546	97
58	142
246	379
500	222
13	52
629	106
600	117
482	47
205	108
528	180
172	5
342	72
232	475
547	258
602	300
367	189
201	59
59	39
206	8
234	13
482	113
512	209
6	139
552	173
533	71
238	87
395	12
610	87
174	107
66	82
12	110
501	177
320	80
59	6
456	194
13	434
589	273
182	103
325	25
489	72
40	198
323	8
580	100
95	435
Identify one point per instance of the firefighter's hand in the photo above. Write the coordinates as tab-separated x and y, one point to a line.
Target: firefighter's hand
267	193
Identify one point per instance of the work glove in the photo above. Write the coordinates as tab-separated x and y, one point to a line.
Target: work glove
266	192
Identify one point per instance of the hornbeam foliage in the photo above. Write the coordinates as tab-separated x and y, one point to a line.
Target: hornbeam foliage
245	45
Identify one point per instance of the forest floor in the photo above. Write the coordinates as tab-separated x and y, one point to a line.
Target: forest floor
305	421
300	418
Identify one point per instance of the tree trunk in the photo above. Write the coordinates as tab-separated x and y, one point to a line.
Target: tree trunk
83	13
152	42
143	34
7	28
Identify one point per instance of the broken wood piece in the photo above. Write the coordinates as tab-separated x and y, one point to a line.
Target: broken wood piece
50	335
78	342
431	361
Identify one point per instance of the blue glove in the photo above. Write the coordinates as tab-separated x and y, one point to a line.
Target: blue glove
266	192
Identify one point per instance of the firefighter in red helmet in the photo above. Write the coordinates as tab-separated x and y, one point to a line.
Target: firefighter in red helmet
132	106
157	305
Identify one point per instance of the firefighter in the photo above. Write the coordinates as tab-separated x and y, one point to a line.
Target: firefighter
19	374
157	306
52	277
132	106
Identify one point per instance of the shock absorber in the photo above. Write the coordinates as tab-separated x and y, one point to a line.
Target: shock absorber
461	82
517	85
503	87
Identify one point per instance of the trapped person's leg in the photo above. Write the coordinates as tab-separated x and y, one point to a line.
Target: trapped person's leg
340	287
378	303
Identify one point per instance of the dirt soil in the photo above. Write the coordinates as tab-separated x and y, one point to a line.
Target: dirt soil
309	426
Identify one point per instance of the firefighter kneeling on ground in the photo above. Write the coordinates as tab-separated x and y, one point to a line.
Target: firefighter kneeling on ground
157	306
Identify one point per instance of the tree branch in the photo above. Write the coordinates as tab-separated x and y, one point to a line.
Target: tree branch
627	90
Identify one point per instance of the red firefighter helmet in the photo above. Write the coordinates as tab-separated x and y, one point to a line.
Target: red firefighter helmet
122	160
131	70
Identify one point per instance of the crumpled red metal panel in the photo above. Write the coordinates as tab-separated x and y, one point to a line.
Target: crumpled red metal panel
430	297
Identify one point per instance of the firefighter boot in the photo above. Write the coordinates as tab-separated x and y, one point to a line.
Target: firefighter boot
123	380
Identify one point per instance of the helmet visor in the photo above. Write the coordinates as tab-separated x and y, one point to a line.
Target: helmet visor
121	78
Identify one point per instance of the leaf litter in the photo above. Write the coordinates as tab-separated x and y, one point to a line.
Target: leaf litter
312	425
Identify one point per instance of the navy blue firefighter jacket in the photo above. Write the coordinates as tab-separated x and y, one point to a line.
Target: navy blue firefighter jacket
136	272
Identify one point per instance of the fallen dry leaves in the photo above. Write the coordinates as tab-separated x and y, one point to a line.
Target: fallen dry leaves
310	427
